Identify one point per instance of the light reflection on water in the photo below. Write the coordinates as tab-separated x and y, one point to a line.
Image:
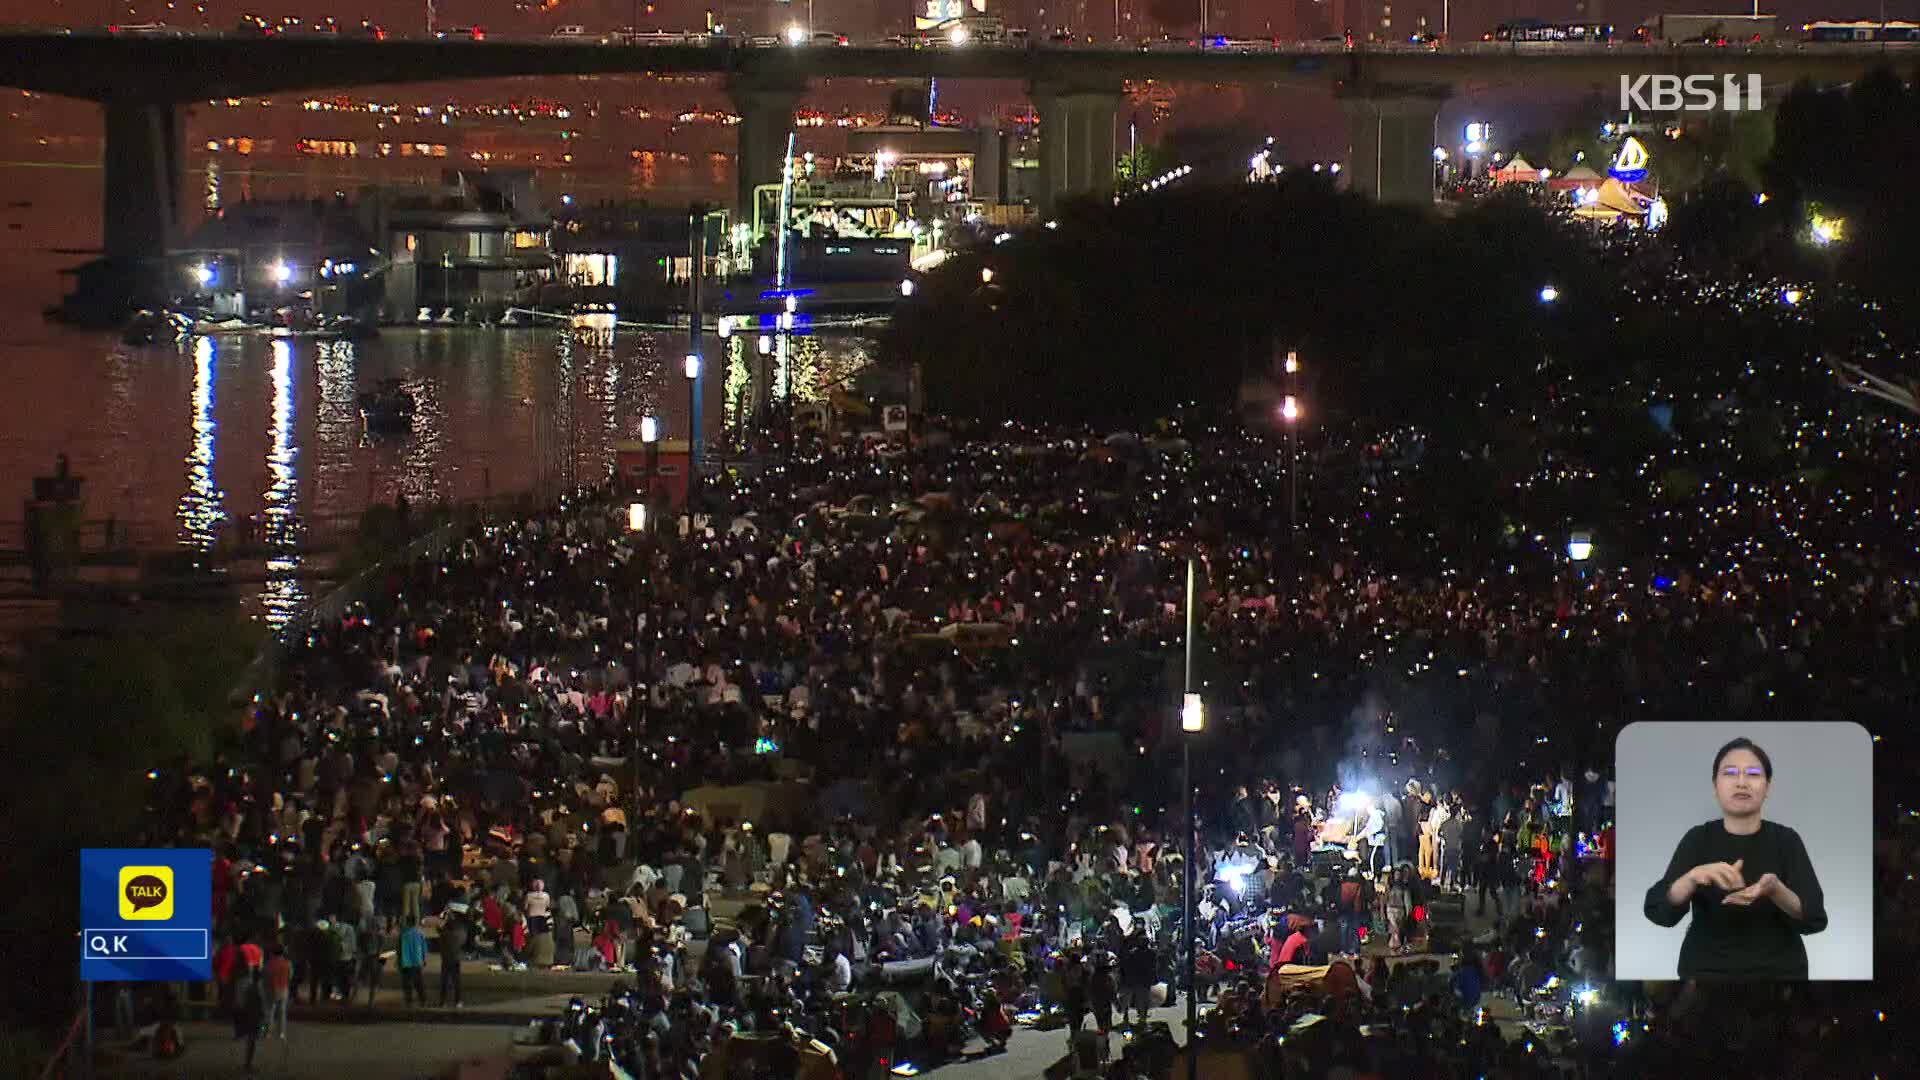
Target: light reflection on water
284	592
200	511
191	445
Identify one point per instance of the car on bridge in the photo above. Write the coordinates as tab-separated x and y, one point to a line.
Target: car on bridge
373	30
461	33
152	29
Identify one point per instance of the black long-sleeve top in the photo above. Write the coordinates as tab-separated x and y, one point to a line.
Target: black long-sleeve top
1728	941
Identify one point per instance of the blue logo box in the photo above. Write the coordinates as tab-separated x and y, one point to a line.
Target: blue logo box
146	914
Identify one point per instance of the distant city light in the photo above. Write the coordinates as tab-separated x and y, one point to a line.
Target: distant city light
1548	294
1790	296
986	275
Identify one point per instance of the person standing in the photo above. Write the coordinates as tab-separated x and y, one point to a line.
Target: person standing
1137	971
370	961
1390	812
1075	994
346	956
413	962
1100	994
1452	833
1399	904
453	946
249	1007
280	987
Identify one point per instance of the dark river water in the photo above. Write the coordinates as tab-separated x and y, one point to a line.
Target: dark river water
180	444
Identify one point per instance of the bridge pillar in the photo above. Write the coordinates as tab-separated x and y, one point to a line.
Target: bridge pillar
142	182
766	119
1078	148
1393	130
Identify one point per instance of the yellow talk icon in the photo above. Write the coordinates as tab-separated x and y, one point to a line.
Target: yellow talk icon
146	893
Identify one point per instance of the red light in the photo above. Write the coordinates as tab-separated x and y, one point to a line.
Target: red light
479	34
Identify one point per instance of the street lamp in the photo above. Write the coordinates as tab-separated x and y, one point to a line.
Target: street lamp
1193	720
1290	412
637	517
650	435
1580	546
1548	294
692	370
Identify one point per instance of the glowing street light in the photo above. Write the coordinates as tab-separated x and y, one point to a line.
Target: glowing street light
1293	363
1290	409
958	35
1580	547
637	517
726	326
906	286
203	274
986	275
1790	296
796	34
1193	715
649	429
282	273
1548	294
1827	230
692	366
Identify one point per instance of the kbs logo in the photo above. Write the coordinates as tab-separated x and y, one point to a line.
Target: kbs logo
1691	93
146	893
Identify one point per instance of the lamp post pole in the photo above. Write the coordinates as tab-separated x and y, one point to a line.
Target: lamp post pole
1190	718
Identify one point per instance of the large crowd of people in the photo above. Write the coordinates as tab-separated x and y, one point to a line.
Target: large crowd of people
887	751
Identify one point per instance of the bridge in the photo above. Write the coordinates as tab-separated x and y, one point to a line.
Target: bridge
1391	94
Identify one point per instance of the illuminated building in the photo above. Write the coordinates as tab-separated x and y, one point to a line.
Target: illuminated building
478	242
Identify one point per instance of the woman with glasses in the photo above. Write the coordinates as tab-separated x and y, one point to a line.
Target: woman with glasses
1748	881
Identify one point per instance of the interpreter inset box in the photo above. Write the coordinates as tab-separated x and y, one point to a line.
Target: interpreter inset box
1744	851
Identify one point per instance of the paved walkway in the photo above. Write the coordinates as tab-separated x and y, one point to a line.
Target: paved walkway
365	1051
